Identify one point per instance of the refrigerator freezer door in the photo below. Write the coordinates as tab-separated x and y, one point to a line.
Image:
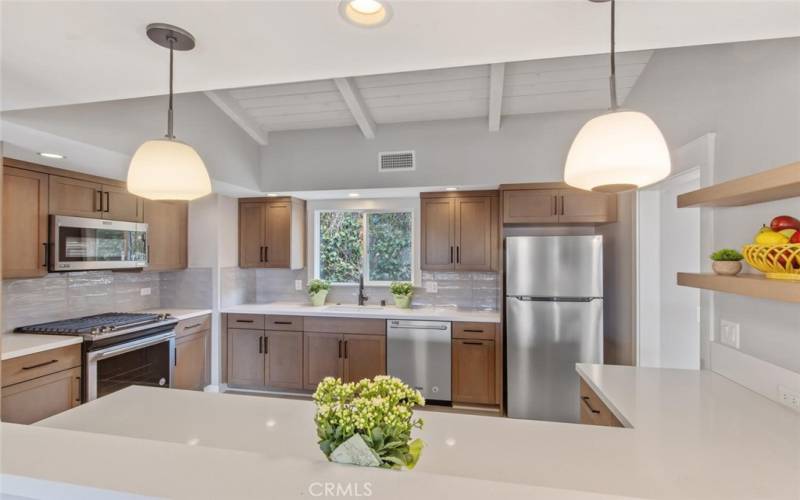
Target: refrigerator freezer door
554	266
544	341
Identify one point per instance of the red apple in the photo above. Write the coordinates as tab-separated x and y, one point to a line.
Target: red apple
782	222
795	238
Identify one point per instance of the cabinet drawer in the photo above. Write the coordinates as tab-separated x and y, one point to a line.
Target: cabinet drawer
249	321
284	323
193	325
345	325
476	331
593	410
41	363
37	399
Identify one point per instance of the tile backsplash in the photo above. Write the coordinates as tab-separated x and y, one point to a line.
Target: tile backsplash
69	295
190	288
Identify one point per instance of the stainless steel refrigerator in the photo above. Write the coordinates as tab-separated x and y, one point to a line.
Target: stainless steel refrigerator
554	319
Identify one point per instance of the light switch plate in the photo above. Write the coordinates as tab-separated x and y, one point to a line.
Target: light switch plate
729	333
431	287
145	291
298	284
789	398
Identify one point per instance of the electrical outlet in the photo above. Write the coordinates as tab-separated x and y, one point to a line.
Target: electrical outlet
789	398
298	284
729	333
431	287
144	291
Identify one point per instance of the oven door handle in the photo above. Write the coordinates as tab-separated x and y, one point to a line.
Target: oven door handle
132	346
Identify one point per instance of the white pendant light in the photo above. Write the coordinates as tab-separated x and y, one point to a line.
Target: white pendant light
167	169
617	151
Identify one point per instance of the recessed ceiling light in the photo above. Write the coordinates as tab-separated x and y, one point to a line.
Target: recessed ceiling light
52	155
365	13
353	195
450	189
272	194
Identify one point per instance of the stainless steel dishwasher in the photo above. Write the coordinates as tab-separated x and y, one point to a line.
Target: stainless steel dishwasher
418	352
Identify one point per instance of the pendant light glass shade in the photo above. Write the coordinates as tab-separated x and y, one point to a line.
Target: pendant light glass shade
164	169
617	151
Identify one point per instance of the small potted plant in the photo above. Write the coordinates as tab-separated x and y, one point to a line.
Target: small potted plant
727	262
318	291
369	422
402	292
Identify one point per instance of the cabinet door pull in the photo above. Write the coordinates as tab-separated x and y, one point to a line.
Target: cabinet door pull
458	254
192	326
266	345
562	205
472	342
108	202
244	320
98	200
175	356
340	348
585	400
345	349
473	330
40	364
261	345
282	322
451	255
555	204
266	253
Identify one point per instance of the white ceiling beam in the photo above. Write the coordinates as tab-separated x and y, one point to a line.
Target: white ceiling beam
497	75
230	107
351	95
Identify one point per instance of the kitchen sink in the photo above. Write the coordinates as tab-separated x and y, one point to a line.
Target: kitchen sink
354	307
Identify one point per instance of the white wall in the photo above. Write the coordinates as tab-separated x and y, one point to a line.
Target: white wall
121	126
461	152
749	94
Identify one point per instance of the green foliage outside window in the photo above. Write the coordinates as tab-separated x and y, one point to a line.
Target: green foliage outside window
342	246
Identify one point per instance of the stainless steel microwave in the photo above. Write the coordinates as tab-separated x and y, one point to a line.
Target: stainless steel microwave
80	244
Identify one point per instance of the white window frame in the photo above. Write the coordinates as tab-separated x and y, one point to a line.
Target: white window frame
364	213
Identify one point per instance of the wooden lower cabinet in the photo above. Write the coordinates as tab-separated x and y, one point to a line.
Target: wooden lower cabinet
364	356
473	371
284	359
593	410
322	357
192	361
246	365
350	357
33	400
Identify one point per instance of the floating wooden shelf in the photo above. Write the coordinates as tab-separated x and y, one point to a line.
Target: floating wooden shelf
775	184
752	285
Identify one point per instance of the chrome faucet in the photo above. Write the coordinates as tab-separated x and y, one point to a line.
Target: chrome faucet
362	297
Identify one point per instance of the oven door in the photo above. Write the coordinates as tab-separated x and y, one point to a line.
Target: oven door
143	361
82	244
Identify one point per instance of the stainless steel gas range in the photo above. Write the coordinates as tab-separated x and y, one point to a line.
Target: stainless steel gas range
119	349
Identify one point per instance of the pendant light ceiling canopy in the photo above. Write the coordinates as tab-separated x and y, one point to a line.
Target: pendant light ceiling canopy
620	150
167	169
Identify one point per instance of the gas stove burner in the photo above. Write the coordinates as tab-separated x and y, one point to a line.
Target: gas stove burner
98	324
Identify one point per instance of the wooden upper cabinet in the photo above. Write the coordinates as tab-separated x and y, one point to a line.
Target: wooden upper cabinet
473	371
530	206
460	231
556	203
438	234
364	356
577	206
167	223
272	233
75	197
476	233
277	251
25	208
119	204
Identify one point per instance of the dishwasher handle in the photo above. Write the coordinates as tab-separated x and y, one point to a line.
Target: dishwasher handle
438	328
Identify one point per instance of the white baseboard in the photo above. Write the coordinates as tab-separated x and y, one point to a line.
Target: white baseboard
212	388
755	374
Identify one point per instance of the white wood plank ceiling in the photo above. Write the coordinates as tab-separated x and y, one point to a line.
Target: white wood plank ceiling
491	91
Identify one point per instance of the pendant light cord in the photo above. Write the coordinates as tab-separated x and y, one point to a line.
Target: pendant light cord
172	41
612	80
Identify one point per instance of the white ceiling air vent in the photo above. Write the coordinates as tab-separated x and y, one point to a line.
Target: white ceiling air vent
396	161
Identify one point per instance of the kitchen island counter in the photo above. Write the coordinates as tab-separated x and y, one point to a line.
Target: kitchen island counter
694	435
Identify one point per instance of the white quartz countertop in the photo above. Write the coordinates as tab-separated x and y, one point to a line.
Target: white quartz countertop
180	314
695	435
14	345
369	311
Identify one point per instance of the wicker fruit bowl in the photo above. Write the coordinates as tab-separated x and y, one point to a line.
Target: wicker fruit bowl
780	262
